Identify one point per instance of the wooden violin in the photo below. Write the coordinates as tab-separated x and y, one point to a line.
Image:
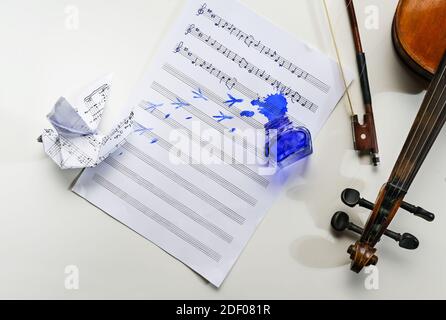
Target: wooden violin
419	34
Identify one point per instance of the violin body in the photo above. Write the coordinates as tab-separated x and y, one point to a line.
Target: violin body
419	34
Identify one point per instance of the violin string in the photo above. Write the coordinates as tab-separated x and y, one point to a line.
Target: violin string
338	55
405	176
423	116
432	129
411	161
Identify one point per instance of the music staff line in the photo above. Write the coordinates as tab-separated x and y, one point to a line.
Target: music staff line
251	42
232	188
179	180
75	151
214	97
157	218
207	119
220	153
167	198
294	95
89	100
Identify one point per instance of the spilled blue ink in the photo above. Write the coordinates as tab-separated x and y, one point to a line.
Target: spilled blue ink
154	140
120	154
199	95
232	100
273	107
188	118
232	130
180	104
285	143
247	113
150	106
222	117
141	129
167	116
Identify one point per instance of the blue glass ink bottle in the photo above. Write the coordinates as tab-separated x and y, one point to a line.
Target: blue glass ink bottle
285	143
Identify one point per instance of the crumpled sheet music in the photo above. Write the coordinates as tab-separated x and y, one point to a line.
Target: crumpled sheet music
74	142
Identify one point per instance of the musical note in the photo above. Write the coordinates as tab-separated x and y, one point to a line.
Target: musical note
231	82
74	142
249	40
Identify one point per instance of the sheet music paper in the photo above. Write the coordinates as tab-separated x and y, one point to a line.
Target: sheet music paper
74	141
202	203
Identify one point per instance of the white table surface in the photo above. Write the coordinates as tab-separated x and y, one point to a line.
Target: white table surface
293	254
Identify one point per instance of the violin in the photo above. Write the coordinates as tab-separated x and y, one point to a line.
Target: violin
419	35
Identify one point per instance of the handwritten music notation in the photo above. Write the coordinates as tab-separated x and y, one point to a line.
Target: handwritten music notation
251	42
95	103
229	81
74	141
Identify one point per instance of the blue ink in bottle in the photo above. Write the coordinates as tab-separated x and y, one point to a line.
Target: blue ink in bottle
285	143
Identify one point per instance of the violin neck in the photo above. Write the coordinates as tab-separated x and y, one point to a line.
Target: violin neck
425	130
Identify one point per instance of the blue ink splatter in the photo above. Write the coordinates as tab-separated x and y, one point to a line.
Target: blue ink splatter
141	129
232	100
180	103
167	116
273	107
120	154
222	117
188	118
247	113
199	95
232	130
292	143
150	106
154	140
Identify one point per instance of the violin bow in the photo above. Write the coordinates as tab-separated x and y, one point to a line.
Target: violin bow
364	135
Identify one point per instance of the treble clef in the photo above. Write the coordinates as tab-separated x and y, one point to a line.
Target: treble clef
201	10
178	47
189	29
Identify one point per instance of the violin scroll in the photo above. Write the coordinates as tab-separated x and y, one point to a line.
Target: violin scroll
362	255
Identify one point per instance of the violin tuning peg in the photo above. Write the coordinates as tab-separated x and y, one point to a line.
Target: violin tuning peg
405	240
408	241
341	222
351	197
418	211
